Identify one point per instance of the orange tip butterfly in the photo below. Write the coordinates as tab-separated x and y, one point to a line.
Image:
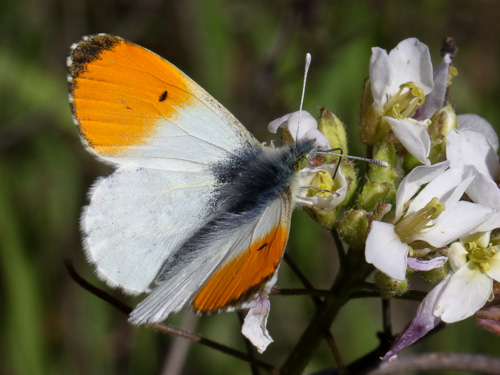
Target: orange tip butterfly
197	212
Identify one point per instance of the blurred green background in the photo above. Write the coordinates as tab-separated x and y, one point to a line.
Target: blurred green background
249	55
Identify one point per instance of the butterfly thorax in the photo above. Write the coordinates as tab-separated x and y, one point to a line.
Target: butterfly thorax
248	183
251	180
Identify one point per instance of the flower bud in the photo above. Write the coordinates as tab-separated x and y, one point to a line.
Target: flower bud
436	275
334	131
354	228
369	116
382	181
442	122
389	287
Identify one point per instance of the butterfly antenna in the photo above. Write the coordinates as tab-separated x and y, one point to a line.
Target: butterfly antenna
306	70
333	152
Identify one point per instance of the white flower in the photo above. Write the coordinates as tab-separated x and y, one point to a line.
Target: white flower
434	215
327	177
333	189
300	125
407	94
474	143
254	327
475	264
410	61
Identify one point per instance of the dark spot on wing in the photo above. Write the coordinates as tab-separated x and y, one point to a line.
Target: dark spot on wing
263	246
163	96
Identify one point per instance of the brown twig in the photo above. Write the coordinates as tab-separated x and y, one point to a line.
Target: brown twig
473	363
315	294
160	327
303	279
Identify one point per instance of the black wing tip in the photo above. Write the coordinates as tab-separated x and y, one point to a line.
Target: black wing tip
88	50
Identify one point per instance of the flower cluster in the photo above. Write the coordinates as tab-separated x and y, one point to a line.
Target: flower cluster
447	208
434	210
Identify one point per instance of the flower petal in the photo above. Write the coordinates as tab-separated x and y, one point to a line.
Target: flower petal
414	180
436	98
491	223
422	323
467	291
380	75
414	137
411	62
448	187
301	125
426	265
485	191
385	250
477	123
494	271
469	147
451	224
254	326
457	254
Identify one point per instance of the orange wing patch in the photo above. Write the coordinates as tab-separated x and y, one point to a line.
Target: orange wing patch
119	91
242	277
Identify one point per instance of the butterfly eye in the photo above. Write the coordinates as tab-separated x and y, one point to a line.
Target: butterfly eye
302	163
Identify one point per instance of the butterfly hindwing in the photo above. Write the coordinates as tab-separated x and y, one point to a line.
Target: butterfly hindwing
137	217
227	271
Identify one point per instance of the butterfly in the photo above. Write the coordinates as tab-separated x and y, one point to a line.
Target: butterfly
197	212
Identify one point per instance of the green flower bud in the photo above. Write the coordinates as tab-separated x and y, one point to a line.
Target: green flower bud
333	129
353	228
436	275
382	182
441	123
369	116
389	287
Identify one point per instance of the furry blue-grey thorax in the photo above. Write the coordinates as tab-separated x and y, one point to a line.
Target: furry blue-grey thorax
248	183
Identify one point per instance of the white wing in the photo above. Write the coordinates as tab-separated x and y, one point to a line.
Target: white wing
137	217
210	258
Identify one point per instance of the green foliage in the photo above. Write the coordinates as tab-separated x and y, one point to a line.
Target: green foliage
249	55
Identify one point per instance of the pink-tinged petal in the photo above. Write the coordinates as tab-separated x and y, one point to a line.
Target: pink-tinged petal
494	271
385	250
466	292
414	137
451	224
380	75
435	100
411	62
414	180
470	147
479	124
426	265
421	324
254	326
